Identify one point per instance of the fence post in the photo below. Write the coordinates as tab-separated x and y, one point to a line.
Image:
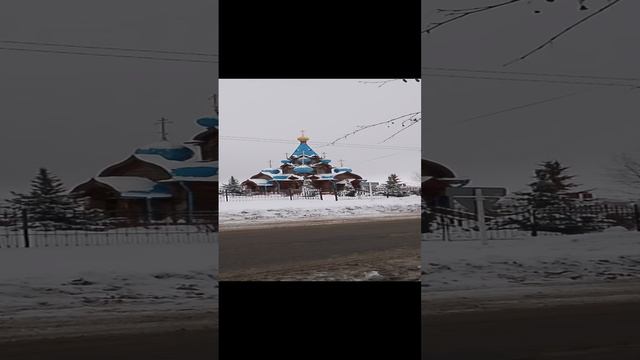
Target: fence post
335	193
226	195
290	194
25	227
636	215
534	223
480	215
320	194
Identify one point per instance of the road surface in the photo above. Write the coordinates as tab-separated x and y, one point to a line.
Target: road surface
139	335
293	251
601	330
186	344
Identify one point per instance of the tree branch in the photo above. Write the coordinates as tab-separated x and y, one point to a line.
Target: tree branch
566	30
460	13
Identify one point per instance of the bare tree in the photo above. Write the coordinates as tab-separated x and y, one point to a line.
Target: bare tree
449	16
627	172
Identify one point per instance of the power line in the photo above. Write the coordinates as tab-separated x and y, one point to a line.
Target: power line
139	57
67	45
321	143
547	81
560	75
517	107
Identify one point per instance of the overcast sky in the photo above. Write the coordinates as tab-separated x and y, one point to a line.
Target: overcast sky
76	115
326	110
583	131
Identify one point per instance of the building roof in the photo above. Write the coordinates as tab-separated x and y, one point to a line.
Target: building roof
166	150
134	187
193	170
304	150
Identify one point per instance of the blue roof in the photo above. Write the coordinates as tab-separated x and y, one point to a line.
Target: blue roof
341	169
180	153
304	149
303	169
325	161
208	122
195	171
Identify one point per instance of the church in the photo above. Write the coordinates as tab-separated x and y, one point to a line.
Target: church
303	166
160	180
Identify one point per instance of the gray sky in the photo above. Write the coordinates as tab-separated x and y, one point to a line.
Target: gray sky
76	115
326	110
583	131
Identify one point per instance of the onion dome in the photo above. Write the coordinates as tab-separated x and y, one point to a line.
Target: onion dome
167	150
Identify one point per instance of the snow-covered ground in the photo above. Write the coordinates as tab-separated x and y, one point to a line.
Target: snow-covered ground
115	279
280	209
505	265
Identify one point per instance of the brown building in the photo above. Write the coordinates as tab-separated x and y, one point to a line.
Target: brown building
436	178
304	165
161	179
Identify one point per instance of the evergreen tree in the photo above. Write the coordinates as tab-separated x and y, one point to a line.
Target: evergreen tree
308	189
47	204
393	185
233	186
551	204
349	189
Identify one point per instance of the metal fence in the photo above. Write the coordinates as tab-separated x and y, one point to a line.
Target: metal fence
226	196
21	228
515	222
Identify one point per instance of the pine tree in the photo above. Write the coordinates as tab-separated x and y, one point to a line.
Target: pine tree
233	186
349	189
392	186
48	205
308	189
550	202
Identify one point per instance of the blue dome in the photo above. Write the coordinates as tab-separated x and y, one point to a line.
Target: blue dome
167	150
303	169
325	161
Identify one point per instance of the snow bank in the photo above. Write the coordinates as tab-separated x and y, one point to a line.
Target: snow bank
505	264
282	209
128	278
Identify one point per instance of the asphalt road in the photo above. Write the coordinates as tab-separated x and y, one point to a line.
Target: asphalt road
186	344
264	247
580	331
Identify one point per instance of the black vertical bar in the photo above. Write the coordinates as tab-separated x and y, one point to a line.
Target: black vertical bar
25	227
636	215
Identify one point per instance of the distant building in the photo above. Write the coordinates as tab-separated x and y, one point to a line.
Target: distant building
160	179
304	164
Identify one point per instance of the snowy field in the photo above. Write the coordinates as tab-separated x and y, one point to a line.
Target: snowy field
269	210
116	279
609	256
